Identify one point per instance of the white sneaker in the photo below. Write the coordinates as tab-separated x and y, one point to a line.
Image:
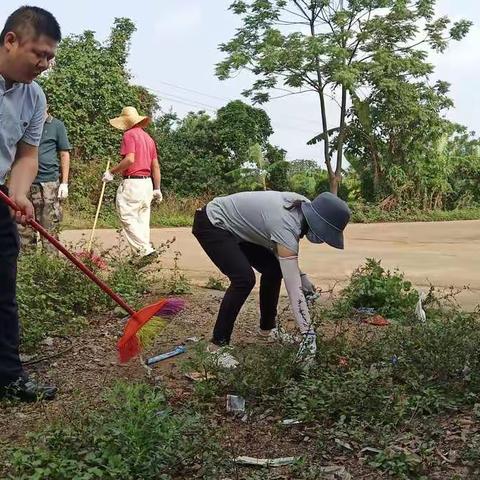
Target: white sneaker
222	356
275	336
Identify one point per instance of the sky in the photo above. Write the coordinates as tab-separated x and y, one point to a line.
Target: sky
175	49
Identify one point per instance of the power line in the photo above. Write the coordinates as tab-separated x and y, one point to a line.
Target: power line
191	101
196	104
223	99
194	91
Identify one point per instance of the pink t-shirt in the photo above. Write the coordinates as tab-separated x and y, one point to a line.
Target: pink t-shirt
139	142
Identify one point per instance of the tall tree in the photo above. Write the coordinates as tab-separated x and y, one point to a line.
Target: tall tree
240	126
202	154
326	47
88	85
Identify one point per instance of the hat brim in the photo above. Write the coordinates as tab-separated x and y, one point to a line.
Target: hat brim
125	123
321	229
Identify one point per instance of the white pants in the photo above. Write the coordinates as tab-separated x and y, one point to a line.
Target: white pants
134	197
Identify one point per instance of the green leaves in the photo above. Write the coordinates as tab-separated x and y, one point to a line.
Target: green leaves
321	137
460	29
369	44
89	85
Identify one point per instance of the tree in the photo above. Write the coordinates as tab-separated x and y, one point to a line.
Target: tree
240	126
463	150
88	85
396	146
277	168
205	155
193	159
304	177
332	48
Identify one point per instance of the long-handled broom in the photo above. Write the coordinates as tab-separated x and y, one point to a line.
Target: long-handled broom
99	206
129	344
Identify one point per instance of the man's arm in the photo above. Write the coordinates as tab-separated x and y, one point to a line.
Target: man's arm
127	161
156	175
24	171
65	165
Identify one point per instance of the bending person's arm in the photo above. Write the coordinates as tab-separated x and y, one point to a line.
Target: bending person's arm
293	283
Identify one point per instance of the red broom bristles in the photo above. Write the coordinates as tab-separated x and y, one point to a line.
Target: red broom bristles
129	345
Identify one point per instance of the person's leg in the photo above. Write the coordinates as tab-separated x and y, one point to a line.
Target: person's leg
265	262
10	366
225	253
50	214
129	204
28	236
144	214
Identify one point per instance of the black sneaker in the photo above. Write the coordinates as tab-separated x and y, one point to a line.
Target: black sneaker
146	259
26	390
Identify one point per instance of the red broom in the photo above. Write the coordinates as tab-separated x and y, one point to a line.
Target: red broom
129	345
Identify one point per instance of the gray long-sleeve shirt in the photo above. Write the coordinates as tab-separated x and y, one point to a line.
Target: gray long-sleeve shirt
259	217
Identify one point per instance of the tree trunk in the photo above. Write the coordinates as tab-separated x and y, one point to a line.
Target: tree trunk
376	173
340	141
334	182
323	112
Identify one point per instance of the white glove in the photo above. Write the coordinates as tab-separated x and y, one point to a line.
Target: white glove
158	195
308	347
107	177
63	191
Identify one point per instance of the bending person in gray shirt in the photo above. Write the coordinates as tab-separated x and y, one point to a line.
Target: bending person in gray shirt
263	230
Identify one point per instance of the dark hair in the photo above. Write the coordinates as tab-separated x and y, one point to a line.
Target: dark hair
297	204
34	18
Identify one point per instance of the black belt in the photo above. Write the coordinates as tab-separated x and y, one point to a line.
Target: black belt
135	176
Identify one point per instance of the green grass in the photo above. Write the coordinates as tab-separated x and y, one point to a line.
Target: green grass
134	435
373	214
55	298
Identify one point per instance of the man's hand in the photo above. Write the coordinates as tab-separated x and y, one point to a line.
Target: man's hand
107	177
63	191
158	195
27	212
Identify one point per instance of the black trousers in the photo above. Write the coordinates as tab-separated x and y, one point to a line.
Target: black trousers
235	260
10	366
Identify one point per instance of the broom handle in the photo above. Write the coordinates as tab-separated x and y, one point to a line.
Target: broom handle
89	246
36	226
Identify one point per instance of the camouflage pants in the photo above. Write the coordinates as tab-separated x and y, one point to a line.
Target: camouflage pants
48	212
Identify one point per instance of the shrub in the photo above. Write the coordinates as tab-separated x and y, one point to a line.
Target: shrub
54	297
374	287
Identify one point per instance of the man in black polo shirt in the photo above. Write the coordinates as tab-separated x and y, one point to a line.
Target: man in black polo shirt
51	184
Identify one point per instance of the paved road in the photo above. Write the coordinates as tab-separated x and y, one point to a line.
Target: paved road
442	253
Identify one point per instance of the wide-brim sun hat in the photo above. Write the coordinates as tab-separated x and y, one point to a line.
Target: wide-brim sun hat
129	118
326	216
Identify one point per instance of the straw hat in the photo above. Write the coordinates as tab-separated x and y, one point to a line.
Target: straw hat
129	118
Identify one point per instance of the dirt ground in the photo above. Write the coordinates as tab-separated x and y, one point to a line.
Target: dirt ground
84	372
90	365
440	253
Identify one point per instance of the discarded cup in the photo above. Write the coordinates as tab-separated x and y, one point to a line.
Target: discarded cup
235	404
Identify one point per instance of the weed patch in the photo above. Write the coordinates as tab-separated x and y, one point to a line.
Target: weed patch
135	435
55	298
